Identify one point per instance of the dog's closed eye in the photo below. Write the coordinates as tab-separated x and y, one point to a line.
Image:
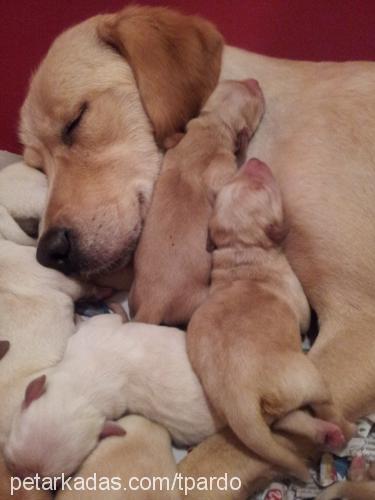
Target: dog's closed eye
67	132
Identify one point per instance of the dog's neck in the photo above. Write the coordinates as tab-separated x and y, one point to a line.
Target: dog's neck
267	266
238	263
209	127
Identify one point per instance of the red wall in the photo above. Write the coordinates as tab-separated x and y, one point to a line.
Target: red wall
308	29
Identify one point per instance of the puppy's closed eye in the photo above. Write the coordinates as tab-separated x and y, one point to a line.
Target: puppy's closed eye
210	245
67	132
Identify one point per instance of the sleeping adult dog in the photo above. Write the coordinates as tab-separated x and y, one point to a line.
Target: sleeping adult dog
113	87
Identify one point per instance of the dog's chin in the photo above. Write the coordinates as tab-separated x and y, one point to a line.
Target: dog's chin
95	266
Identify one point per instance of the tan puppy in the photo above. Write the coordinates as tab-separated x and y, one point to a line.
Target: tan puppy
172	264
143	452
244	341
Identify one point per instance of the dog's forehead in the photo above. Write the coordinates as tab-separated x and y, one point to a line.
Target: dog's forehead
67	77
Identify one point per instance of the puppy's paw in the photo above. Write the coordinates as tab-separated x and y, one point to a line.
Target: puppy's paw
329	435
358	469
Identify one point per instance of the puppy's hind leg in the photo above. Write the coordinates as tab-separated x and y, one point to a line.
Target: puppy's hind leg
247	421
307	388
318	431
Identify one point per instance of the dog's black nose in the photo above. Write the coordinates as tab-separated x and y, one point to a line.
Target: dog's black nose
54	250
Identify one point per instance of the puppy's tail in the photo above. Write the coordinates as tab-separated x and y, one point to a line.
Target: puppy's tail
252	429
364	490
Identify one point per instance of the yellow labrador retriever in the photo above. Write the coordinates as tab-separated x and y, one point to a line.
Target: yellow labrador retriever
114	86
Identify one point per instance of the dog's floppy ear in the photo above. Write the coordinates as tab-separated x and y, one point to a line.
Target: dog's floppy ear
4	347
34	390
175	58
111	428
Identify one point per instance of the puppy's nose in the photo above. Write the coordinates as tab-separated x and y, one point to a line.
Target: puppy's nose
54	250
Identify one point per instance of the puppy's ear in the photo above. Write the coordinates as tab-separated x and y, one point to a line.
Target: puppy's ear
175	58
34	391
256	168
4	347
111	428
260	174
242	142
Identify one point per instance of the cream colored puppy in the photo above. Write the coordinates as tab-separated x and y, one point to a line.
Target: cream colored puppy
23	196
18	493
36	303
244	341
36	320
109	368
172	263
143	452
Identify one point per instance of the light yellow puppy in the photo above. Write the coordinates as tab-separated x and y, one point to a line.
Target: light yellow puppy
143	452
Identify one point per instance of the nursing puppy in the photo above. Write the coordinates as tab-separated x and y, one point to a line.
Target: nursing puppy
144	451
109	368
23	195
172	264
244	341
